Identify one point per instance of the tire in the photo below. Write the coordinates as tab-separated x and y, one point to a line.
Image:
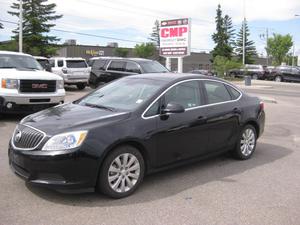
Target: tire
123	182
81	86
249	135
278	79
254	76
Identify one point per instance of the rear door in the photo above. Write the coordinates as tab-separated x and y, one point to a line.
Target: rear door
115	70
223	114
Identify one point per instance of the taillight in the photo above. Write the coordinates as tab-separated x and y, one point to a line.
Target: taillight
261	106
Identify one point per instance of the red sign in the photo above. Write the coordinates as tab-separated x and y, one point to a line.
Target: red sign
175	37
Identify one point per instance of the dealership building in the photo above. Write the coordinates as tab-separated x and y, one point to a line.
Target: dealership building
196	60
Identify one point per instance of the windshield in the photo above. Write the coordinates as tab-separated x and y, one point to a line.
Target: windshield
125	94
76	64
153	67
18	62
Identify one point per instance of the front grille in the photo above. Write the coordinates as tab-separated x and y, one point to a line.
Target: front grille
37	86
27	138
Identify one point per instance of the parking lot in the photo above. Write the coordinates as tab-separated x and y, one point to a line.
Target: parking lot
221	190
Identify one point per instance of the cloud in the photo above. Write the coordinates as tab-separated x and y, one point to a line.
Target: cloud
136	17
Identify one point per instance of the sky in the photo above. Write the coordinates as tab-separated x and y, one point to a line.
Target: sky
132	20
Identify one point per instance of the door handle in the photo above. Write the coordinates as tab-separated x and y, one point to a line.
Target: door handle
237	111
201	118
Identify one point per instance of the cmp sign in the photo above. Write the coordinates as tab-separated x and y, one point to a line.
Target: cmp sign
175	37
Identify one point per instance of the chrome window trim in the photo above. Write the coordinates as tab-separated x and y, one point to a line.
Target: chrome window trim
192	108
26	149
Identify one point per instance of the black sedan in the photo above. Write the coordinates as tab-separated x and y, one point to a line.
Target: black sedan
109	139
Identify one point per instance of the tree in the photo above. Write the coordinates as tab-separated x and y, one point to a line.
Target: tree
222	65
154	36
250	50
222	36
229	30
1	26
121	52
37	17
144	50
278	47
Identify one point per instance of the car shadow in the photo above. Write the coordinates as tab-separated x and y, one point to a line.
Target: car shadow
171	182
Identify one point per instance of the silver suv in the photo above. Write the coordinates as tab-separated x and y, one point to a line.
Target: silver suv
74	71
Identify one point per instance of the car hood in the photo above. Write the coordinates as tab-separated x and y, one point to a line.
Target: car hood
28	74
72	117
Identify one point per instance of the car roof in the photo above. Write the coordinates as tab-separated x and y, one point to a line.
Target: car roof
68	58
122	58
14	53
40	57
175	77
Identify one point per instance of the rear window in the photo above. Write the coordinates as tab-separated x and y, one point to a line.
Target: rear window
153	67
216	92
234	93
76	64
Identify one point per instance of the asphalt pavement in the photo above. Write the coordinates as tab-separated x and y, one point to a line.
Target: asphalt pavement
220	190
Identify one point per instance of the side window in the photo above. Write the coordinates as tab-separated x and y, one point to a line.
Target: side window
153	110
60	63
99	64
216	92
132	68
116	66
52	63
186	94
234	93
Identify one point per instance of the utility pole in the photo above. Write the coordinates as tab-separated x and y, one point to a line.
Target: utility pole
244	32
267	38
21	26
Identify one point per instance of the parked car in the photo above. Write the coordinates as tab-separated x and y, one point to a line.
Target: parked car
285	73
255	71
44	62
203	72
25	87
74	71
109	139
106	69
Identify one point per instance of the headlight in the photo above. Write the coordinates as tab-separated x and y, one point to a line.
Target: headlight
9	83
60	84
65	141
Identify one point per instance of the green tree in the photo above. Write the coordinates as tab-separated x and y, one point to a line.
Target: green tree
121	52
222	36
144	50
222	65
154	36
229	30
250	50
37	22
278	47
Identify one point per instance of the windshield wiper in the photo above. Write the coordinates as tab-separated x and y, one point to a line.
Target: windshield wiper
100	106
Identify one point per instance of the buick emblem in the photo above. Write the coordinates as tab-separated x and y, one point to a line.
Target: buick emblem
18	136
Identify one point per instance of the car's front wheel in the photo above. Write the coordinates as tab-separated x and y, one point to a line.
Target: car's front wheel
122	172
246	144
278	79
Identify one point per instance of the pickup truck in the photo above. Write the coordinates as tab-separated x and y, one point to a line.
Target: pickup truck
25	86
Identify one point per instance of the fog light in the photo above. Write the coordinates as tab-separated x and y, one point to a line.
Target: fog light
9	105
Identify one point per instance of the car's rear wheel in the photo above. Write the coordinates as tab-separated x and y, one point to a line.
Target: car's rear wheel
81	86
278	79
122	172
246	144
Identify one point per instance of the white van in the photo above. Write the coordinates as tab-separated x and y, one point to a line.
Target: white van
25	87
74	71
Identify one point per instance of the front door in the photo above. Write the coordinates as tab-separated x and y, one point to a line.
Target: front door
182	135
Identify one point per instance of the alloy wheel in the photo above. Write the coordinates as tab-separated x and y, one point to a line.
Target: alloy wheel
248	142
124	172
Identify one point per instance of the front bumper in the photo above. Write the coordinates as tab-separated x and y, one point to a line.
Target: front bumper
62	170
29	102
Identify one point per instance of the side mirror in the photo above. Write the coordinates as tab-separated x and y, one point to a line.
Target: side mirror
173	107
